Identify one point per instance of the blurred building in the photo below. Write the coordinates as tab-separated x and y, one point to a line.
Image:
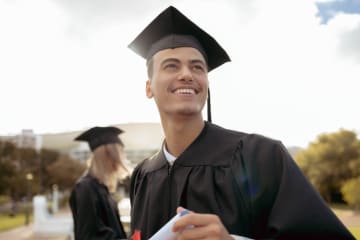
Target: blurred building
26	139
141	141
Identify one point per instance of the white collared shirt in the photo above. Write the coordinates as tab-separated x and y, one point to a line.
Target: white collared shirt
170	158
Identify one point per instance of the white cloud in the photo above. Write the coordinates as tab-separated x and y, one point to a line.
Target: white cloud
346	27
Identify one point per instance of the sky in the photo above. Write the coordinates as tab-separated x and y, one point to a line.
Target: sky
294	74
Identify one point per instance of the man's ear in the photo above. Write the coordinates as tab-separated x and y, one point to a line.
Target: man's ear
148	90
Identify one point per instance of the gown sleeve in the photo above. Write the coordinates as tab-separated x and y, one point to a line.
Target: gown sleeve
87	218
281	199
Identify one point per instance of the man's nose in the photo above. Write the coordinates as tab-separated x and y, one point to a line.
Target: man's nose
185	74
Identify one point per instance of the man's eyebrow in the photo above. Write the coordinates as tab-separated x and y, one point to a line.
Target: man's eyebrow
191	61
194	61
170	60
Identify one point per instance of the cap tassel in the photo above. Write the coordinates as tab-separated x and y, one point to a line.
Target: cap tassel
208	107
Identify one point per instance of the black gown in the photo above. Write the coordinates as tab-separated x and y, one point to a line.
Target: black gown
250	181
94	211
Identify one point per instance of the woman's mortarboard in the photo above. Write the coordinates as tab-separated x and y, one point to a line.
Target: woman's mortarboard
172	29
98	136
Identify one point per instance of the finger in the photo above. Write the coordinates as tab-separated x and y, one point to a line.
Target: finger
195	220
179	209
192	233
208	232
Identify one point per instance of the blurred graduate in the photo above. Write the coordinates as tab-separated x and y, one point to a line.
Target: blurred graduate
94	210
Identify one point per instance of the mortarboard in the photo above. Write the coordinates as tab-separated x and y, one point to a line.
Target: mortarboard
172	29
98	136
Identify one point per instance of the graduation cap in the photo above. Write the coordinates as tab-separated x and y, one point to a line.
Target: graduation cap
172	29
98	136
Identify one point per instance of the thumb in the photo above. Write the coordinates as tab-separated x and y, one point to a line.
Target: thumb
179	209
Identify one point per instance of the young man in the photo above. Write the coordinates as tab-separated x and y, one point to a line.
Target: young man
235	184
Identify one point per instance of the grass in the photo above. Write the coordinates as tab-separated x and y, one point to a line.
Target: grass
7	222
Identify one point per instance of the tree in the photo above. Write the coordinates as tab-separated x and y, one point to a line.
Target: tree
351	192
65	171
7	150
7	170
27	158
18	186
331	161
46	158
15	163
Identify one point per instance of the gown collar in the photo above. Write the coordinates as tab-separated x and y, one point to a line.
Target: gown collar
213	137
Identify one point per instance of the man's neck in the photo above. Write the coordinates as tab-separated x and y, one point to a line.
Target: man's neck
179	134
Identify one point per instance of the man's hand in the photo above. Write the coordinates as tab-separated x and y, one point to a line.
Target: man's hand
203	226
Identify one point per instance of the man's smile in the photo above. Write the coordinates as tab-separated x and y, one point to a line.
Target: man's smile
187	91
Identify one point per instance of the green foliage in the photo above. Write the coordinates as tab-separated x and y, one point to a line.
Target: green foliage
47	167
64	172
7	170
47	157
27	158
19	187
8	150
351	192
331	161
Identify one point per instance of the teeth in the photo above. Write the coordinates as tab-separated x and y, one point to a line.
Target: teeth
185	91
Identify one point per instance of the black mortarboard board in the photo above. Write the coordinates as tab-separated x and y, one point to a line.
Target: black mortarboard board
98	136
172	29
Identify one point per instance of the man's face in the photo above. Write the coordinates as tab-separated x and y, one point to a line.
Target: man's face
179	81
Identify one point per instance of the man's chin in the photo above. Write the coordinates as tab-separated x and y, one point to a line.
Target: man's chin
184	111
188	114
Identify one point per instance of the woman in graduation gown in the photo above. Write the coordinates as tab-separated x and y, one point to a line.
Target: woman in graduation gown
236	184
95	212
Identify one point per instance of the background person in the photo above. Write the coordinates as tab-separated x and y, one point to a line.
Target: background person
95	212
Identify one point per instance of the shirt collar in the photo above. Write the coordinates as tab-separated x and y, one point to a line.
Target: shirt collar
170	158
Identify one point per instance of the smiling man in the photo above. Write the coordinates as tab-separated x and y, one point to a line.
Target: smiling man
236	184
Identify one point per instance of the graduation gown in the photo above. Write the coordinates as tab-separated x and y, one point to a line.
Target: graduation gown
250	181
94	211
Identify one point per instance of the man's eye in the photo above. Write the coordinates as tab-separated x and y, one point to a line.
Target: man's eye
170	66
198	68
